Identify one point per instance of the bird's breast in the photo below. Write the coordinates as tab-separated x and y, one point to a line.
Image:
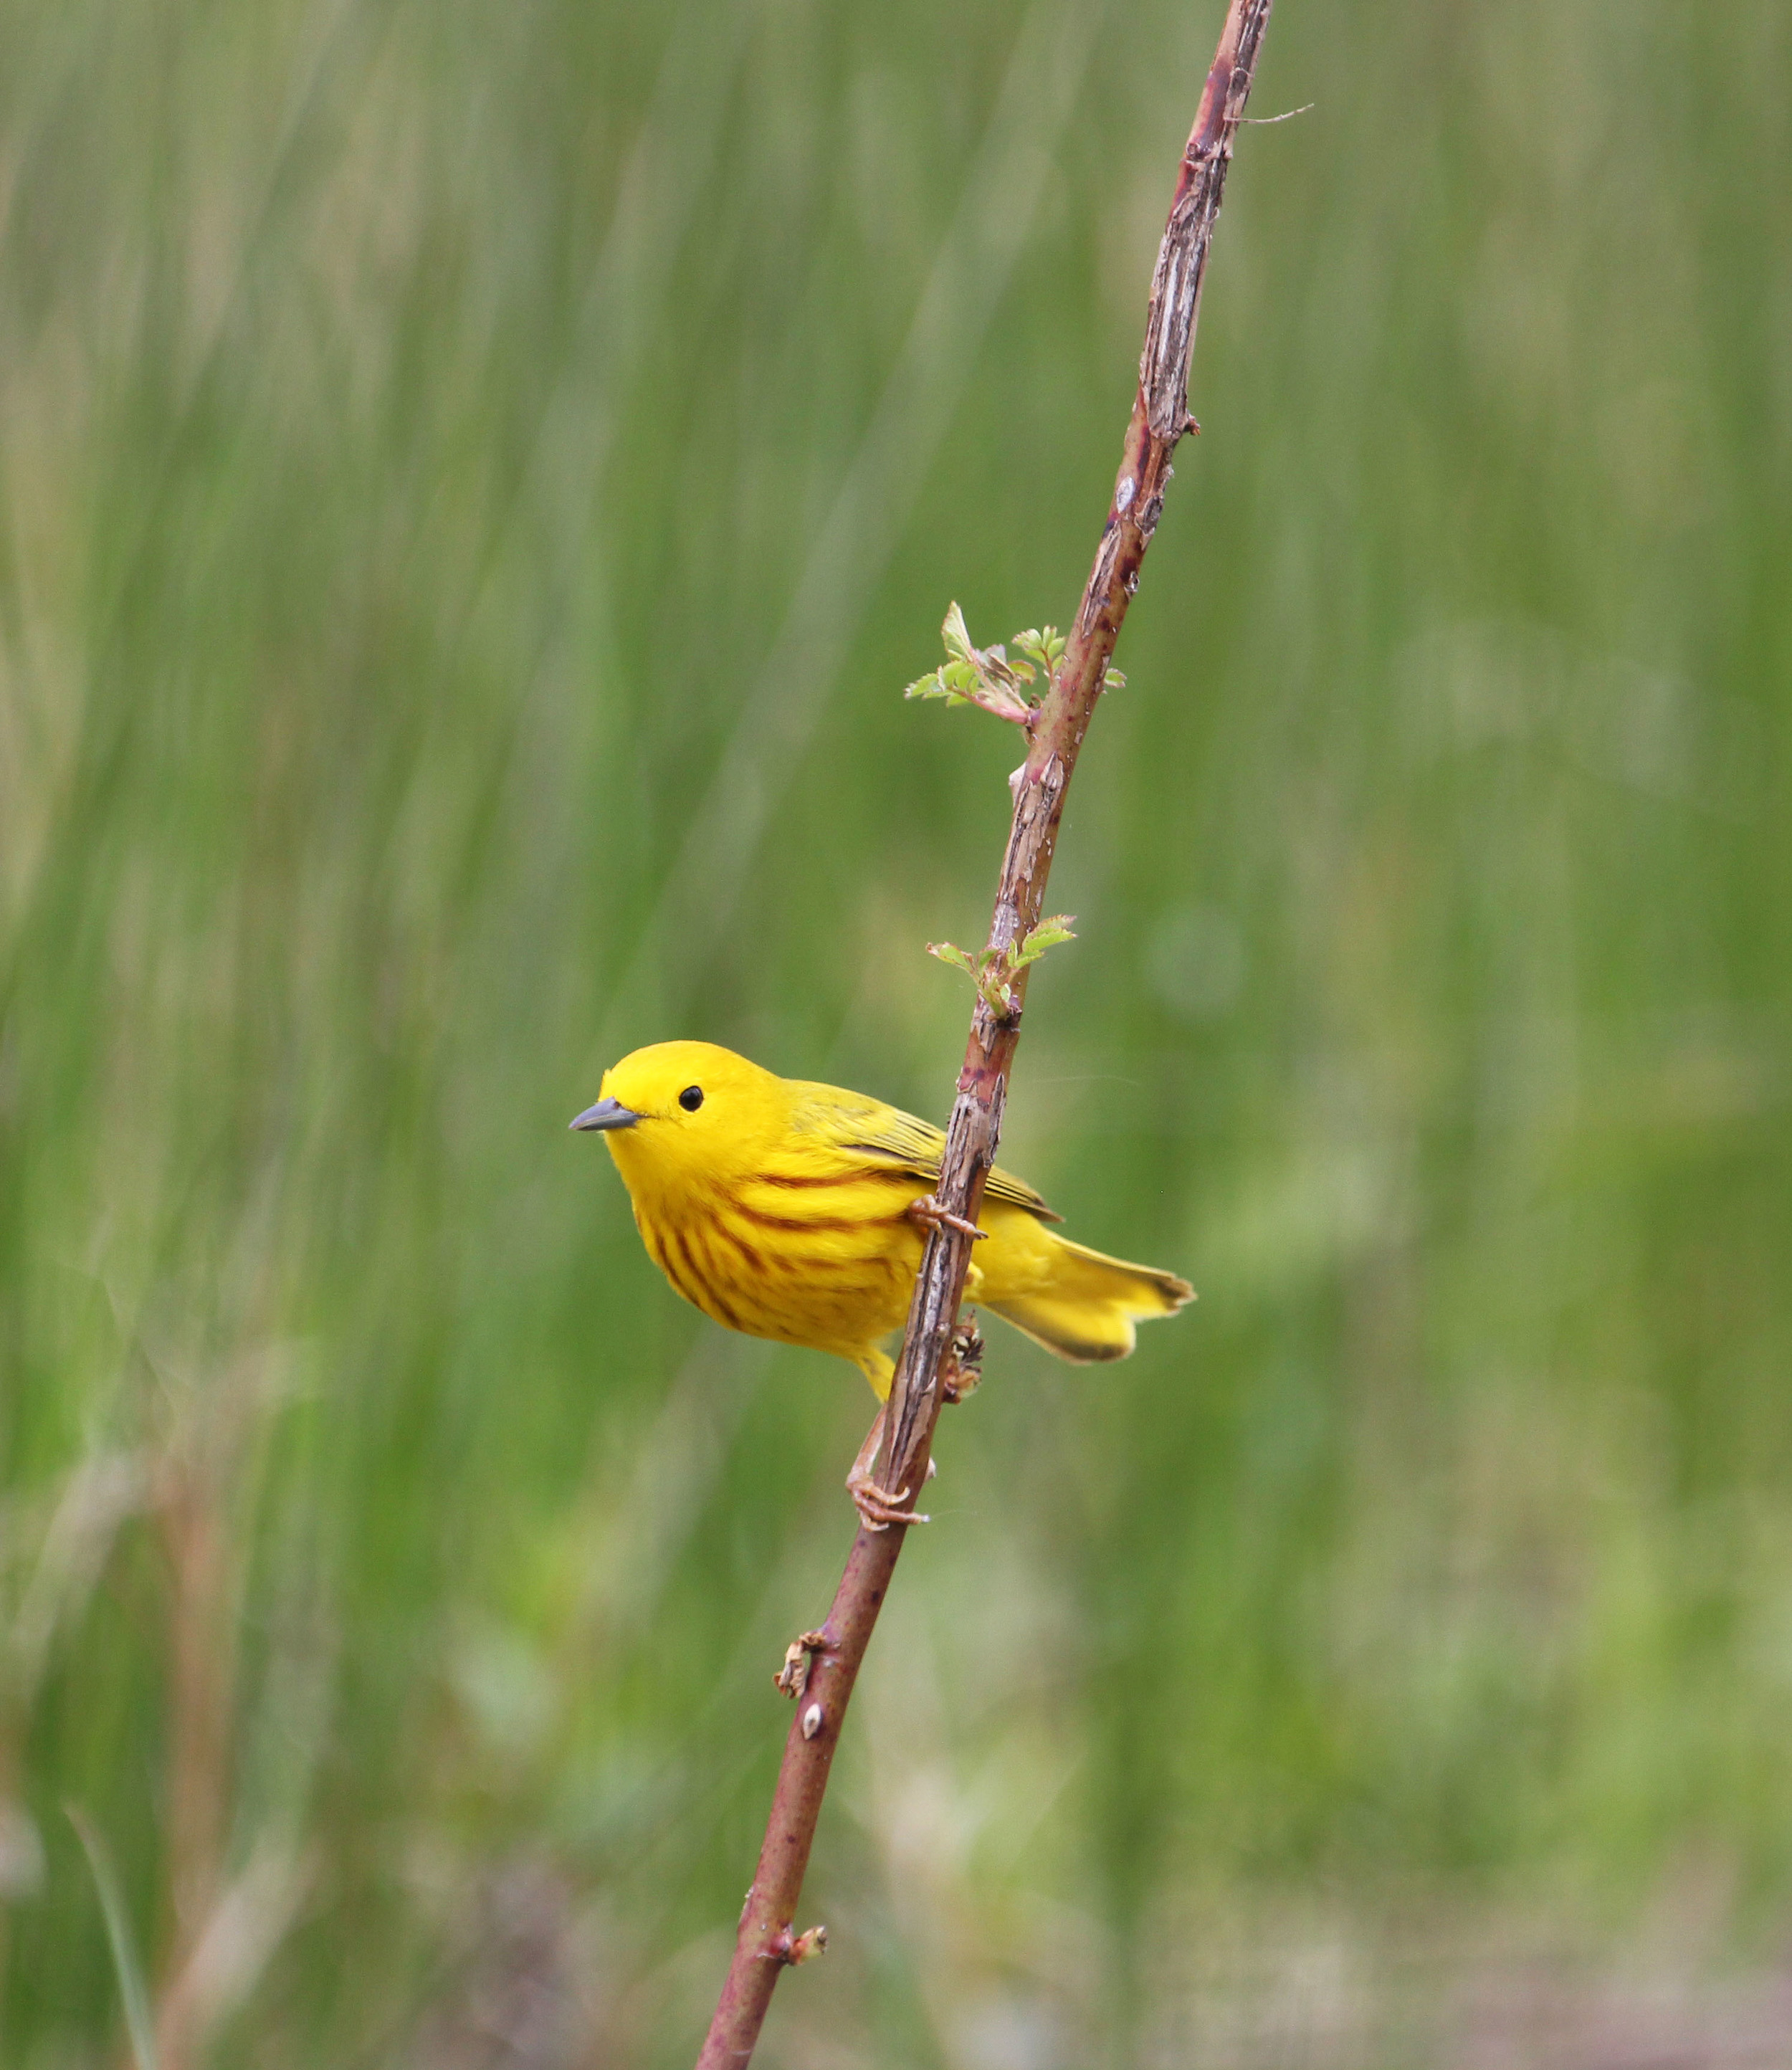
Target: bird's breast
802	1258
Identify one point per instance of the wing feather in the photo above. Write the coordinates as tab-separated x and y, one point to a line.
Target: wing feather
853	1123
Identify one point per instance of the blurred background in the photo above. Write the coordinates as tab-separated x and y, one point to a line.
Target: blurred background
475	478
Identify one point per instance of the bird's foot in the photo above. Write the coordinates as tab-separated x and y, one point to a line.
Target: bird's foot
961	1370
928	1210
877	1506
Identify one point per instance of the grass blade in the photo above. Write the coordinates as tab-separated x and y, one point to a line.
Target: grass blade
131	1987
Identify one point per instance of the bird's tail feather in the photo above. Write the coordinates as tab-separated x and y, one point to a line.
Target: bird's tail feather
1091	1309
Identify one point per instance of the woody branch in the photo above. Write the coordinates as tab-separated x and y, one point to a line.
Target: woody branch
825	1663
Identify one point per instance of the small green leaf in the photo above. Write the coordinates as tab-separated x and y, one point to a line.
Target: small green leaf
1050	931
1113	681
995	668
1043	648
950	952
1020	671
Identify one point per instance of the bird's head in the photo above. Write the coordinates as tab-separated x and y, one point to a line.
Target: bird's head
679	1110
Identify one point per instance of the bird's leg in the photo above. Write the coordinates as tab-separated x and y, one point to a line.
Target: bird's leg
961	1370
877	1505
929	1214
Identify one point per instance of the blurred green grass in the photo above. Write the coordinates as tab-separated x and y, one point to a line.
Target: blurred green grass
475	479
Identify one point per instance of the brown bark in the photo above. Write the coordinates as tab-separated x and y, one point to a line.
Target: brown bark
767	1941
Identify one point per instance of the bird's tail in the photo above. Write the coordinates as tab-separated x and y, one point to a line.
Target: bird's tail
1091	1307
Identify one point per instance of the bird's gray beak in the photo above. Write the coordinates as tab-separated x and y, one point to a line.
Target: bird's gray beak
607	1114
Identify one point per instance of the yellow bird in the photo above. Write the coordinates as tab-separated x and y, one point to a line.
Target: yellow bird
796	1212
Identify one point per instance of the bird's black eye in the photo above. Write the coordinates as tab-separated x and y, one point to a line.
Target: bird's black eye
691	1098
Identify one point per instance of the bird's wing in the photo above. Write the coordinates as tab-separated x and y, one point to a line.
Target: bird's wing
852	1121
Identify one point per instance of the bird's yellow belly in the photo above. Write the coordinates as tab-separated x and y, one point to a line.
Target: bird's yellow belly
833	1270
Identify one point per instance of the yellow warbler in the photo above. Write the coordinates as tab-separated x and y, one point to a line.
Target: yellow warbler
793	1211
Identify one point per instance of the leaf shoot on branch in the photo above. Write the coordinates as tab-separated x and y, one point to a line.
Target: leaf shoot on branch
986	677
993	971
